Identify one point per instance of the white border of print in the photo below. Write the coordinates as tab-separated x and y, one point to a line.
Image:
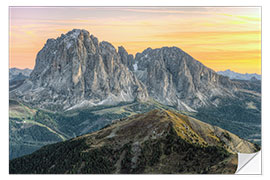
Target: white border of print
4	78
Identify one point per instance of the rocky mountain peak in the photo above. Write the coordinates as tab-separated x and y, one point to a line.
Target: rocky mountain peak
75	70
126	59
175	78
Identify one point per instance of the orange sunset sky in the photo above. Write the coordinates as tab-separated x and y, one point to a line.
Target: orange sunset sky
220	37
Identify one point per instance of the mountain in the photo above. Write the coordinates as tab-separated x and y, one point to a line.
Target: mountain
174	78
79	85
235	75
17	77
76	70
158	141
15	72
31	128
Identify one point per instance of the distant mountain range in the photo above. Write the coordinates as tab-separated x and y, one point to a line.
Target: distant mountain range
17	74
235	75
17	77
79	85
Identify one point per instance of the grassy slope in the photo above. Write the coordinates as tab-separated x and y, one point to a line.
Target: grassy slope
28	125
26	133
26	122
238	117
146	143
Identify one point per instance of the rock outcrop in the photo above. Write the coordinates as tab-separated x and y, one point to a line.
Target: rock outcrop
174	78
76	70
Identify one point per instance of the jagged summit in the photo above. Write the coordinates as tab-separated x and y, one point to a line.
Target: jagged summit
76	70
76	32
70	37
175	78
127	59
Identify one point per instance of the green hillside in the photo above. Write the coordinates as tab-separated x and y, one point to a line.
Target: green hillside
150	143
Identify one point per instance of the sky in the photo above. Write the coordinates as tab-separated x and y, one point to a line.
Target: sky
219	37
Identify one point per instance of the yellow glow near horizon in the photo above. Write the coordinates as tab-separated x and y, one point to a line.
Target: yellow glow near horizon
220	38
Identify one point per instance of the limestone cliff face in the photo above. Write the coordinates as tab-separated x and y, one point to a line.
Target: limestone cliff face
126	59
76	70
173	77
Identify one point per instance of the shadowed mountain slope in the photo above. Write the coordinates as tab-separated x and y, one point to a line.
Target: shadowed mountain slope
159	141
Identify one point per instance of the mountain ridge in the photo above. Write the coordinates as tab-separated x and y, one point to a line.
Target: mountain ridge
241	76
90	73
180	80
124	147
77	66
14	71
94	80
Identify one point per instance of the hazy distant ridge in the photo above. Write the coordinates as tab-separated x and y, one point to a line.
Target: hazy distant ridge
235	75
15	72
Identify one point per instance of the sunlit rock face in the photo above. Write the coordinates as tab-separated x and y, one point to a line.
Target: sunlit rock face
76	70
174	78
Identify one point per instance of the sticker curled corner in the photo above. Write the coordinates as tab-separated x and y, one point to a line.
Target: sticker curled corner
249	163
